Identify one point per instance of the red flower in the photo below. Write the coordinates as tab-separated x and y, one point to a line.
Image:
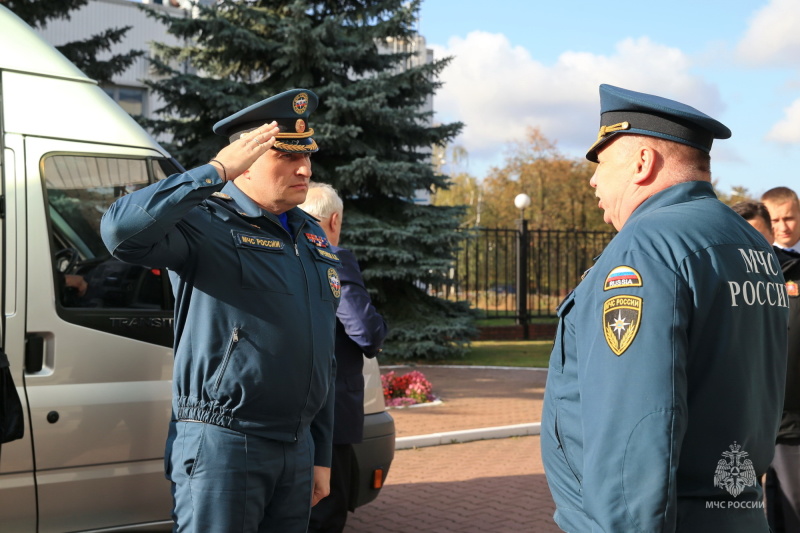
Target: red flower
407	389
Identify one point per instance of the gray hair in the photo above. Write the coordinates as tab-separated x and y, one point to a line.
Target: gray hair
322	200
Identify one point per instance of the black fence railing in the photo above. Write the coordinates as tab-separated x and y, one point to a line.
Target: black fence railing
486	271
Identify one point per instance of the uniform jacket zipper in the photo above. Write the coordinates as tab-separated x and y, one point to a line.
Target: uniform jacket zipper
310	325
234	339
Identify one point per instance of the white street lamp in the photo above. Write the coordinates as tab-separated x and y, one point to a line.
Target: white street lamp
522	201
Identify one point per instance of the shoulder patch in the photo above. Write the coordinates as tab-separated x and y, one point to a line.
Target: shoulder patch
258	242
621	318
621	277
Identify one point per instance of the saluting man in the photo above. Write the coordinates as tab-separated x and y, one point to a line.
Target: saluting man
665	385
255	312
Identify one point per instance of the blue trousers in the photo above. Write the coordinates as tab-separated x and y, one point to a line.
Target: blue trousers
224	481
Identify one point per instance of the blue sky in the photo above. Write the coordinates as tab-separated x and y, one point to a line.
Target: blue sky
523	63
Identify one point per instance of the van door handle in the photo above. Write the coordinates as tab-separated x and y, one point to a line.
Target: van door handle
34	353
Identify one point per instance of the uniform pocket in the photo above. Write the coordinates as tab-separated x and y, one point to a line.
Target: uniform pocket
185	450
561	439
226	359
558	355
263	261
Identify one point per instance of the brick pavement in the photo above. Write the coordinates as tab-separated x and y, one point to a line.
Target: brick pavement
492	486
475	487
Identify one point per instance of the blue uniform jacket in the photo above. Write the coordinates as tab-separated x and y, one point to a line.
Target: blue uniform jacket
254	305
360	330
666	379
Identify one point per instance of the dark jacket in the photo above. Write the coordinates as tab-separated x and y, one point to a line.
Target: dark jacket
666	379
360	330
254	305
789	432
12	425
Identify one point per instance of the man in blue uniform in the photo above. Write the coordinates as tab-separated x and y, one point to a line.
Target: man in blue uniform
360	331
255	309
666	379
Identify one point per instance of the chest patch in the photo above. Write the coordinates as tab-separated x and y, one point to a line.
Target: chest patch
258	242
327	255
792	288
336	285
621	277
621	317
316	240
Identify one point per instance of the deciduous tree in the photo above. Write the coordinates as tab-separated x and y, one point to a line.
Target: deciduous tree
558	186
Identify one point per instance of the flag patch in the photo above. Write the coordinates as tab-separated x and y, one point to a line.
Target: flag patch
622	276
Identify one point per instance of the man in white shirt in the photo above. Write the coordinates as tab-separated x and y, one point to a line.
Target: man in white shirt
784	212
782	485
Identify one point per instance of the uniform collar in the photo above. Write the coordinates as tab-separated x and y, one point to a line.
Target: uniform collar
244	204
247	207
677	194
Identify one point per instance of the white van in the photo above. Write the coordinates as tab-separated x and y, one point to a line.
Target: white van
93	370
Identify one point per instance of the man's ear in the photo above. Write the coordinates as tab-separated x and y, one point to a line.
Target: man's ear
645	164
335	221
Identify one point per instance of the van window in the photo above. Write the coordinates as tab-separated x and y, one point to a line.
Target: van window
89	282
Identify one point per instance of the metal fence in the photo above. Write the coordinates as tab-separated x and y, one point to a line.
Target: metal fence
487	271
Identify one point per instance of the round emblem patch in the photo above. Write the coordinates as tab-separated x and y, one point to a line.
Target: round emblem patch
300	103
300	125
336	285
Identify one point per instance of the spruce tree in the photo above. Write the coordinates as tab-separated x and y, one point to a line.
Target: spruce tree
84	52
374	137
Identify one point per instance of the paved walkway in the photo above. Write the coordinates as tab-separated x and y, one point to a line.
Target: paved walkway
480	486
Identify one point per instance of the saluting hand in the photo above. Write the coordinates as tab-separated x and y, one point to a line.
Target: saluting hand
238	156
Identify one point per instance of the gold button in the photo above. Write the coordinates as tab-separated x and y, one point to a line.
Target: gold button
208	181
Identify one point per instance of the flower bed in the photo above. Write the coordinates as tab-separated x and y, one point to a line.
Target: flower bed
409	389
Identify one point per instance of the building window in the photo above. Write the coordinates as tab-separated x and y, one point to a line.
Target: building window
131	99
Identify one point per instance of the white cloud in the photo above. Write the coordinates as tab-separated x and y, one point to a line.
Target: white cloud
773	37
498	89
787	131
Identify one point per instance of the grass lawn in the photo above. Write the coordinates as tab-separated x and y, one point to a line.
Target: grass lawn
501	353
510	321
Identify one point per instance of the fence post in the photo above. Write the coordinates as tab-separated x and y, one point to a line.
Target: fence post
522	276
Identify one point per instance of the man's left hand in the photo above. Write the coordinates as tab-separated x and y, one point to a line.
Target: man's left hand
322	484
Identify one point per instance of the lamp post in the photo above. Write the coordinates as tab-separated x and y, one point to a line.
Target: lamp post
522	201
